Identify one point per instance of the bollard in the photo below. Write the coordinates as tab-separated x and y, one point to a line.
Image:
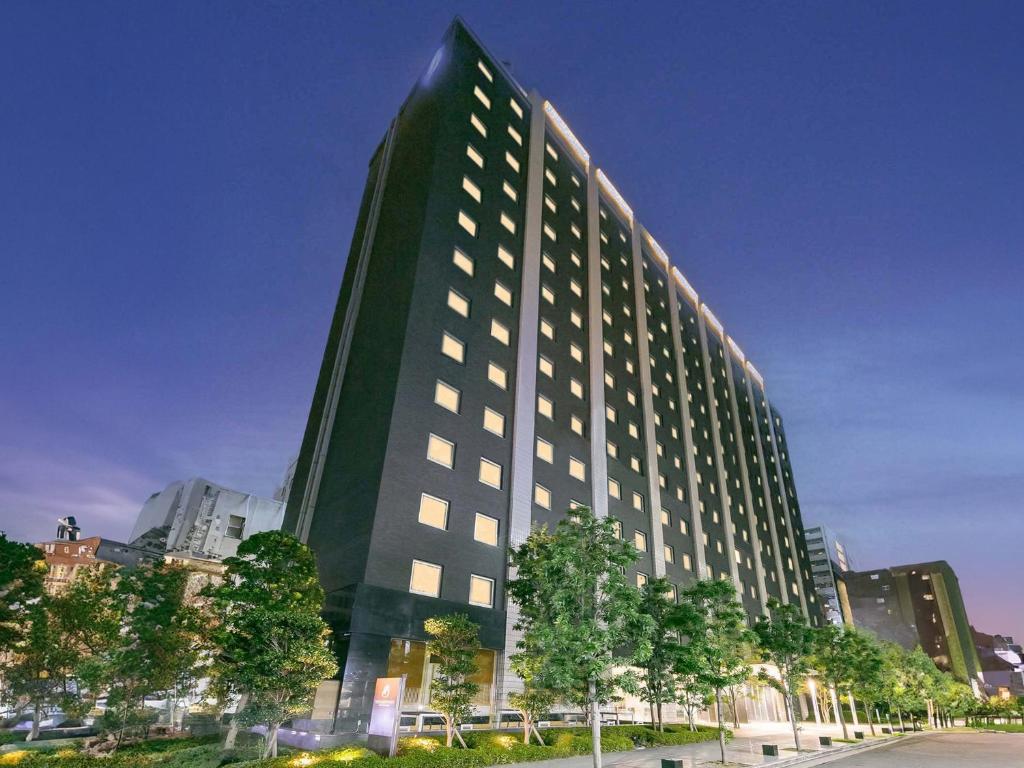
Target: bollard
672	762
825	741
858	734
770	750
886	730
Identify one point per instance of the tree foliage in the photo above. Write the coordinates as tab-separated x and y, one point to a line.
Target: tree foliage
22	570
658	684
452	648
786	641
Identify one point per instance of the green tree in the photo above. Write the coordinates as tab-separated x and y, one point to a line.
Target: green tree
22	570
535	700
578	610
786	641
868	668
452	647
833	661
716	641
34	674
657	672
273	642
159	641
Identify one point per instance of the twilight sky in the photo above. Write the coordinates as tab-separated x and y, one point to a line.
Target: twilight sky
842	182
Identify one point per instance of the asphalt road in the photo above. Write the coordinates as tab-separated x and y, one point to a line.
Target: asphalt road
944	750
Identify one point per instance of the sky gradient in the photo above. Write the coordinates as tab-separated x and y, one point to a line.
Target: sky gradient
842	182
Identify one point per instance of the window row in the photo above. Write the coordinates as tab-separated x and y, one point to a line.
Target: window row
425	579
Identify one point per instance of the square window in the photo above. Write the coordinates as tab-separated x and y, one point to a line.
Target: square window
634	430
547	329
235	527
441	451
485	529
516	136
486	72
473	154
547	294
479	125
545	451
447	396
508	223
467	223
506	258
670	555
577	469
494	422
490	473
462	261
550	177
666	517
542	496
509	190
614	488
576	318
550	232
576	425
609	380
641	579
545	407
576	352
546	367
610	413
617	527
638	502
425	579
453	348
481	96
551	151
576	388
516	108
683	527
550	204
458	303
500	332
481	591
548	262
503	294
576	288
634	464
687	564
613	449
433	511
471	189
512	162
640	540
497	375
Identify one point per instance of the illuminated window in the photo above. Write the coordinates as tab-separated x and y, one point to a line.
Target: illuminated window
614	489
576	318
576	425
638	502
640	540
545	407
609	349
463	262
512	162
609	380
617	527
547	294
641	579
682	527
509	190
490	473
458	303
666	517
631	397
542	496
503	294
481	96
433	511
479	125
576	352
467	223
485	529
446	396
486	72
634	430
575	258
508	223
494	422
545	451
441	451
516	108
576	388
550	177
610	414
516	137
547	329
577	233
577	469
425	579
453	348
613	449
471	189
551	151
550	204
506	258
670	554
500	332
481	591
473	154
687	564
546	367
550	232
576	288
497	375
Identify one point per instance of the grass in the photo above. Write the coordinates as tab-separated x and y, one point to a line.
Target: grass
1004	727
485	749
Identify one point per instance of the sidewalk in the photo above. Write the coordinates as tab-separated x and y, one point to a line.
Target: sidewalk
743	750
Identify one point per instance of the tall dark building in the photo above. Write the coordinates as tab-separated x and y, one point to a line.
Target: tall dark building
916	605
510	341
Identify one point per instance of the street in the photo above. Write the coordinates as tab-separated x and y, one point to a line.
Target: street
944	750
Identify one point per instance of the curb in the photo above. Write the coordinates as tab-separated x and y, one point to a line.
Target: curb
817	757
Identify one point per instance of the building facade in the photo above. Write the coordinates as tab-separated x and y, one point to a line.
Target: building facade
510	341
916	605
197	519
828	564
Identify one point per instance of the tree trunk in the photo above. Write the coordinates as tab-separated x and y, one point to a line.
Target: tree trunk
899	715
871	724
689	717
792	718
721	725
839	712
34	733
527	725
595	722
270	750
661	723
232	734
449	732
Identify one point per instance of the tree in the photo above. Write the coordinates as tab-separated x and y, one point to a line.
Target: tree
160	640
34	673
452	647
22	569
716	641
535	700
274	643
786	641
867	670
657	672
833	661
578	610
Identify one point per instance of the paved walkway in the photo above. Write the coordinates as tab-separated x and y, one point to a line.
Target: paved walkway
743	750
944	750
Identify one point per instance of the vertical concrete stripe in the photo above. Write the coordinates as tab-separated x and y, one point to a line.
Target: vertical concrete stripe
785	509
595	339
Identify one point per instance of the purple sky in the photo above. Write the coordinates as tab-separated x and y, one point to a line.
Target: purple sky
842	182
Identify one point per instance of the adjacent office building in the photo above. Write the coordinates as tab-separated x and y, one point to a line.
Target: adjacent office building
828	564
916	605
1002	664
510	341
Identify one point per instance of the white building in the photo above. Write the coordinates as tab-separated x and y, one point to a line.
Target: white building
200	519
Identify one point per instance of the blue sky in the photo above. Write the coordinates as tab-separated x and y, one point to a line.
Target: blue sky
842	182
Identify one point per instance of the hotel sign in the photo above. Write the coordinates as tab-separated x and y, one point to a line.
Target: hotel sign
385	715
